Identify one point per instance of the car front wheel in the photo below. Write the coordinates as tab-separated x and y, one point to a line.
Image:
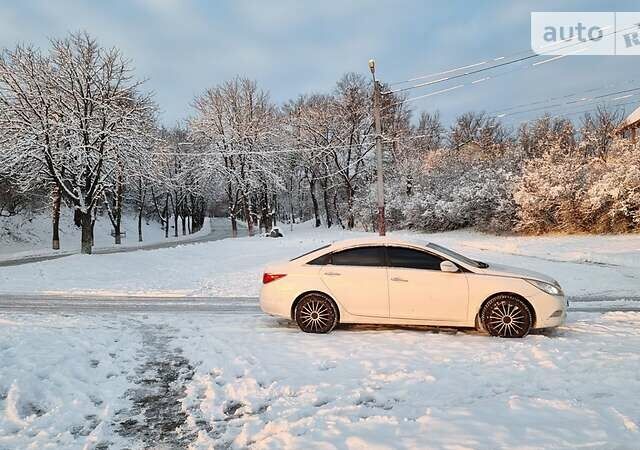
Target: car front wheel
507	316
316	313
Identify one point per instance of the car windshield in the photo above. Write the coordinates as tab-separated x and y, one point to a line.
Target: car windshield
458	256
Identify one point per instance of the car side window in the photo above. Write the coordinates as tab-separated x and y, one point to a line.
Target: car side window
412	259
360	256
321	260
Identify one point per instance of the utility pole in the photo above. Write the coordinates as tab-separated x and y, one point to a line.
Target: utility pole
377	97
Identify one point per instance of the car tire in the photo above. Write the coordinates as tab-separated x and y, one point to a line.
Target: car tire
316	313
507	316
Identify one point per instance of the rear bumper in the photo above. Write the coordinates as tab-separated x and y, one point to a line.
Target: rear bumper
273	303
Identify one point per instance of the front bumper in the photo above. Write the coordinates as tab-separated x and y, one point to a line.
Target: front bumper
553	311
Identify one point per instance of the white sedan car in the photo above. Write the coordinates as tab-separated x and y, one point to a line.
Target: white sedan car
387	281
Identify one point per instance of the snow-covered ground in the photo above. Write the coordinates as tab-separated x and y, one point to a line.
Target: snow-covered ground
225	379
22	236
188	372
603	266
61	378
266	385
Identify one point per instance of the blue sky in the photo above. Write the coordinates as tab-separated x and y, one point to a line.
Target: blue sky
291	47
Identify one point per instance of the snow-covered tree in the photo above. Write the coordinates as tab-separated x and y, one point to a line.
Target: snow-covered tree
598	131
69	113
236	125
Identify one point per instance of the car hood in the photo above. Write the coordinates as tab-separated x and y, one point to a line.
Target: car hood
514	272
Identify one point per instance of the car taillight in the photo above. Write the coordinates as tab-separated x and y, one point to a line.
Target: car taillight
269	277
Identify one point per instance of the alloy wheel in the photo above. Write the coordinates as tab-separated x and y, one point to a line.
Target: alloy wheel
507	316
316	314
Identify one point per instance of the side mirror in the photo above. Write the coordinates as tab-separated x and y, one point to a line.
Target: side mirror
448	266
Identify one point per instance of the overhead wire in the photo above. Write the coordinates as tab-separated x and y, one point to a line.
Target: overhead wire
481	63
506	63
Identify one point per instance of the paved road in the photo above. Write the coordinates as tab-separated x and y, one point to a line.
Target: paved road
220	305
50	303
220	229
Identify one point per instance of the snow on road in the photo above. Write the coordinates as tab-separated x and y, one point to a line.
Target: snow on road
585	265
240	379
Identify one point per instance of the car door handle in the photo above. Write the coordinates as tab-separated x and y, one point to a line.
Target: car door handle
398	279
332	274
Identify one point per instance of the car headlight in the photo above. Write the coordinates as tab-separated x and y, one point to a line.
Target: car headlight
549	288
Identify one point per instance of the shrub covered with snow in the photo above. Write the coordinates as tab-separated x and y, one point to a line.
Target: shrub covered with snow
458	189
573	192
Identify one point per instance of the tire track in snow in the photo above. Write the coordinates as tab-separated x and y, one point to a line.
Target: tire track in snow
156	418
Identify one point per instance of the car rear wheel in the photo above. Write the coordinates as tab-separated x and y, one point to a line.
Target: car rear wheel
316	313
507	316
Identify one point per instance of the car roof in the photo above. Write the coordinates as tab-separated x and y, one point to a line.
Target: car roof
376	240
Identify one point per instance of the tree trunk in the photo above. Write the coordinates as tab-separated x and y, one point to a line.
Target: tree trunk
93	228
183	219
325	199
314	201
87	232
292	218
57	198
274	210
234	226
140	224
117	211
351	221
165	214
117	233
265	213
174	205
247	216
337	210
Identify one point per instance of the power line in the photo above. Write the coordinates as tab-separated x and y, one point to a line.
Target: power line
340	171
442	91
454	77
571	113
495	66
469	66
561	97
261	152
582	100
476	82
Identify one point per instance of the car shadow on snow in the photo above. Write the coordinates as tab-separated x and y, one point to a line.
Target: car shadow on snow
284	324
